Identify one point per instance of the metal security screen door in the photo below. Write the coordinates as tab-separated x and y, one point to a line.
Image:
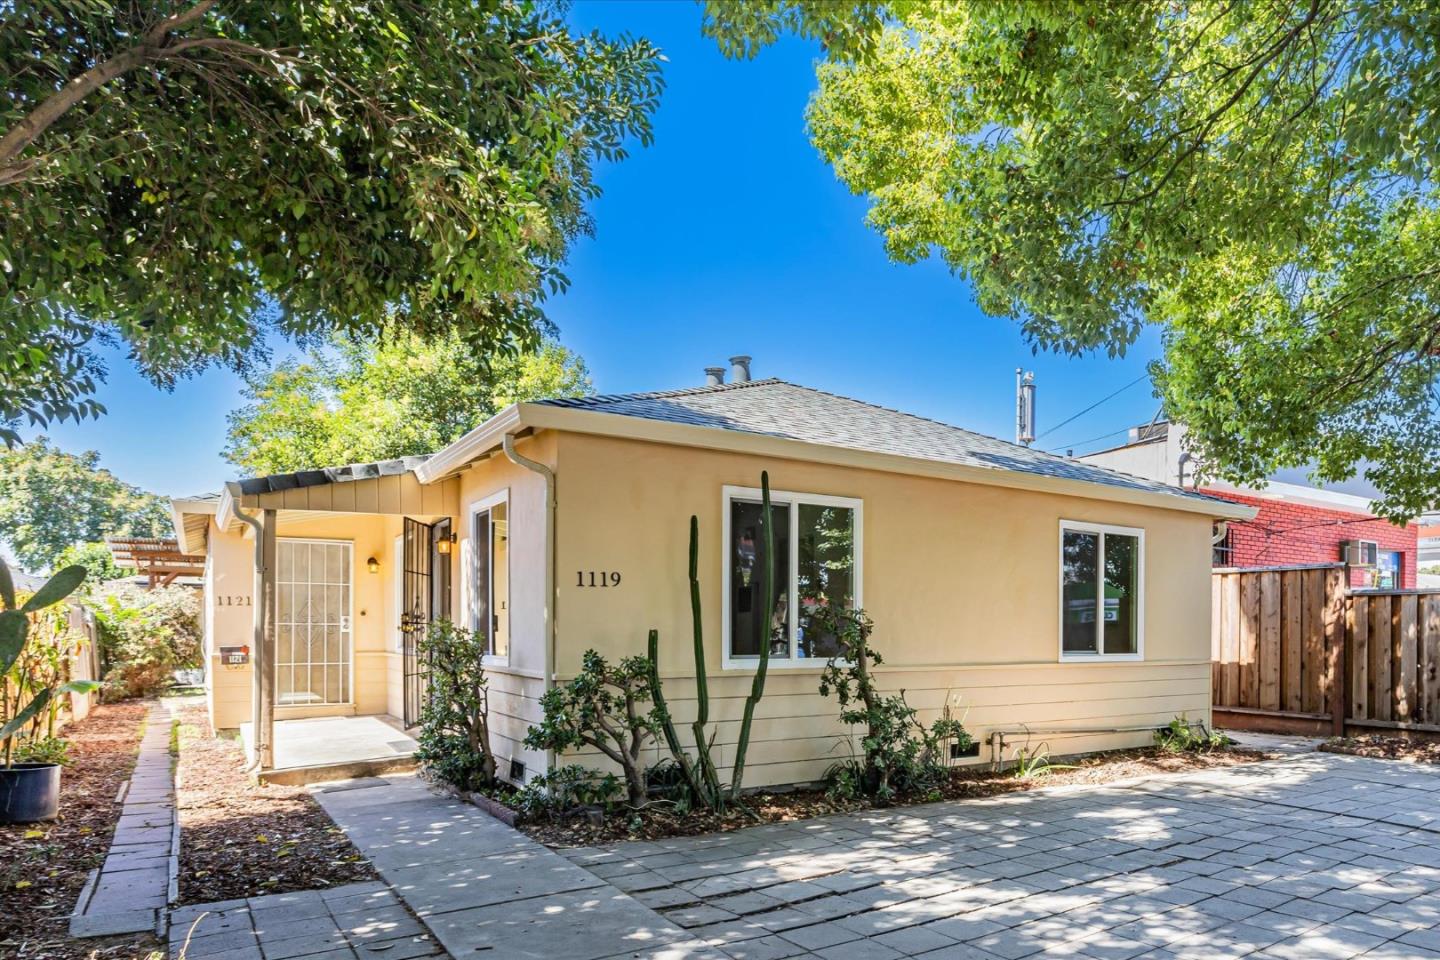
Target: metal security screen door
313	638
415	613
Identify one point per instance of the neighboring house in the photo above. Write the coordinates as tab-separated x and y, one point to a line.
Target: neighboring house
561	526
1294	523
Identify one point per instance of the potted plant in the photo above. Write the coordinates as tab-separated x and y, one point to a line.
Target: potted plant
28	791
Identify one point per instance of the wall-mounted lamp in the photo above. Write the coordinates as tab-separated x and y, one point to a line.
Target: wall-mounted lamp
372	565
443	545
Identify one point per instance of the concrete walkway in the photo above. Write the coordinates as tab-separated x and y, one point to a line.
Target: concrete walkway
480	886
130	891
352	922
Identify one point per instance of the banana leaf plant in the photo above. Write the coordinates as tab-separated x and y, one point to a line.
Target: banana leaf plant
24	696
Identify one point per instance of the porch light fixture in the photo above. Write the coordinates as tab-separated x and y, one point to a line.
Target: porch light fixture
372	565
442	546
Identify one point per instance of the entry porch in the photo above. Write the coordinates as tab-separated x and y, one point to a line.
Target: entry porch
333	748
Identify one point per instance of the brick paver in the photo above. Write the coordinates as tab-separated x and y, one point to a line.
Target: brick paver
1318	856
130	889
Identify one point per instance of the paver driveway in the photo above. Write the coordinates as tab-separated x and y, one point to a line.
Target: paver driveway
1318	856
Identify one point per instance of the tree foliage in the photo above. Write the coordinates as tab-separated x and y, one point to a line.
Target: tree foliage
1256	175
355	402
185	176
51	500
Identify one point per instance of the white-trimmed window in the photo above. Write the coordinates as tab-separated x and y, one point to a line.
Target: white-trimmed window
817	563
489	573
1102	592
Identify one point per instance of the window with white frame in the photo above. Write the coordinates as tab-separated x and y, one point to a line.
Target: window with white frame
817	565
490	573
1101	592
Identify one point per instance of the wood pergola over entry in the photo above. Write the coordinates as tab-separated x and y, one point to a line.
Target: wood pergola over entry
158	558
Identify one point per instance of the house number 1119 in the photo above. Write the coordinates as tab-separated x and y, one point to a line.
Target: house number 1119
597	578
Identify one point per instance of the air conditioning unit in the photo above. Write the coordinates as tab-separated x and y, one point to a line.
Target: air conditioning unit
1359	553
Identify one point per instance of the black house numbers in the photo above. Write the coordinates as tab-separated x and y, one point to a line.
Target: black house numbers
597	578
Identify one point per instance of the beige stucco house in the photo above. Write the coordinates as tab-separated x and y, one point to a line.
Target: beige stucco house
1026	590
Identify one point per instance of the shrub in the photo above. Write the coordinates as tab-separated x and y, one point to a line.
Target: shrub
567	790
1180	736
900	753
602	707
454	739
145	635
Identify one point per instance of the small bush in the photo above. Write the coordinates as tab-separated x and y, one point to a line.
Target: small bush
454	738
145	635
1180	736
900	753
44	750
566	791
604	707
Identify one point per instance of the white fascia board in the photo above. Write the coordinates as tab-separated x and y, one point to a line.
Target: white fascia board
479	441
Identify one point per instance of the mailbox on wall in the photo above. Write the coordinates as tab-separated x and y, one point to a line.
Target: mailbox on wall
234	656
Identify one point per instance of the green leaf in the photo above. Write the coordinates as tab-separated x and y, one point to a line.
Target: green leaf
57	588
78	687
7	586
13	627
26	715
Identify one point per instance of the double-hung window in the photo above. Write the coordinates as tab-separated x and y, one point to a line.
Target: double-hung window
817	565
1102	606
489	586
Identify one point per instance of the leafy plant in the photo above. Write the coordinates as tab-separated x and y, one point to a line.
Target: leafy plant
44	750
26	692
145	636
1034	763
567	790
1181	736
603	707
900	753
454	738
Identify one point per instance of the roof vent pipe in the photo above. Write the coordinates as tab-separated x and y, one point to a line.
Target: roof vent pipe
740	369
714	376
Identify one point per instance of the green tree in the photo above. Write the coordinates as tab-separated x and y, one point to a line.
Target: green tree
360	401
183	177
51	500
1257	177
96	558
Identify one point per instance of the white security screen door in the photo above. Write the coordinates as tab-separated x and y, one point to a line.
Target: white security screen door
313	583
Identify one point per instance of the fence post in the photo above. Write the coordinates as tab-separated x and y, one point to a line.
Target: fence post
1336	602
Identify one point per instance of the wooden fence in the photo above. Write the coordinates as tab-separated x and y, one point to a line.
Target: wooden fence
1294	650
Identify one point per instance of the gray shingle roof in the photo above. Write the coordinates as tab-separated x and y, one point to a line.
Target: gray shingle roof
777	408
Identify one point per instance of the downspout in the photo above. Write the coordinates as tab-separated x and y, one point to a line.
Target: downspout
257	643
548	475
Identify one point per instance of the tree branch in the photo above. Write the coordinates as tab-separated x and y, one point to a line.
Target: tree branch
152	47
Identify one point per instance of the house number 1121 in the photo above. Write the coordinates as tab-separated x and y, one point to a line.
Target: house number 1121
597	578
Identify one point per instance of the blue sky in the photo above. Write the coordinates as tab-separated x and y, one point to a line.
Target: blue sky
728	235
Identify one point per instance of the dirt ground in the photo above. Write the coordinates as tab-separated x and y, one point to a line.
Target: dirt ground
964	783
240	839
44	865
1386	748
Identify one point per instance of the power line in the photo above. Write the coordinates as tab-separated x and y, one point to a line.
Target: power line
1094	405
1103	436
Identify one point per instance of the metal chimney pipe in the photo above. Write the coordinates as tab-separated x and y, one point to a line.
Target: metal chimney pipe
1024	407
714	376
740	369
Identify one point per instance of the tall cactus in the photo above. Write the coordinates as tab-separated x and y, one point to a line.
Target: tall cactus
757	686
700	775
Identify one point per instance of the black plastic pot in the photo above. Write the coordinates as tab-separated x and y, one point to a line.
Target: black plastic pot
29	792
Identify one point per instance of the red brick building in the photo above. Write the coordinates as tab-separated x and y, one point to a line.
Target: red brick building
1289	531
1297	524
